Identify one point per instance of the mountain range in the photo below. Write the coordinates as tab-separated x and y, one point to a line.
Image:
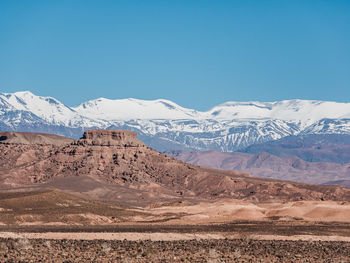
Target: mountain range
164	125
266	165
115	165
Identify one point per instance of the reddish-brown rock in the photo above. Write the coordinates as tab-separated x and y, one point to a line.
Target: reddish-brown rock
119	167
33	138
110	138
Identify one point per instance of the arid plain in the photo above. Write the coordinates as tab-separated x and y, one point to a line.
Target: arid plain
108	197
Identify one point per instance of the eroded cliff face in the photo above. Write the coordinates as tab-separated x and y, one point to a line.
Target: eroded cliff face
110	138
116	157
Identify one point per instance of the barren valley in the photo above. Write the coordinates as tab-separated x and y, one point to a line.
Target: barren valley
109	197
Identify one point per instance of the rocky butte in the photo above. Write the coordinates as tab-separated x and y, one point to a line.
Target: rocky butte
110	138
114	165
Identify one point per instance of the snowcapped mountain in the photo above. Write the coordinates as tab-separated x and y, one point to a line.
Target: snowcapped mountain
46	108
128	109
305	111
165	125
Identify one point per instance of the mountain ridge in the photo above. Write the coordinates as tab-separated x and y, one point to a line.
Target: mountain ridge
266	165
165	125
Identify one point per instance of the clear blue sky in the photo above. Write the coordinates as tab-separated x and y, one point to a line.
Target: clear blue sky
196	53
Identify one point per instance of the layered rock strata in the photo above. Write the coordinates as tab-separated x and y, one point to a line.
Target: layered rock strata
118	158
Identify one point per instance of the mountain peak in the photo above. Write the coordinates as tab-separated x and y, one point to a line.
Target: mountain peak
132	109
22	93
227	127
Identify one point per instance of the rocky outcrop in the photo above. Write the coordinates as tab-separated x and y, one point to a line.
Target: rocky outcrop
118	158
110	138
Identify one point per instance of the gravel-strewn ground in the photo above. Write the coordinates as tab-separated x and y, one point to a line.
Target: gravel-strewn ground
239	250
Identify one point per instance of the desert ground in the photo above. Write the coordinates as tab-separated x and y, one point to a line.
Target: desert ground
206	250
65	228
107	197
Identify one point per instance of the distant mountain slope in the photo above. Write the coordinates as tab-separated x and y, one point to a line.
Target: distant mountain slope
311	148
164	125
270	166
345	182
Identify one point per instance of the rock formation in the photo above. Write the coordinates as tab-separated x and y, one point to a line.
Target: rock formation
110	138
116	158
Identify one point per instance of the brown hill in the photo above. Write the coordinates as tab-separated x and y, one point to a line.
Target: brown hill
47	207
333	148
270	166
33	138
114	165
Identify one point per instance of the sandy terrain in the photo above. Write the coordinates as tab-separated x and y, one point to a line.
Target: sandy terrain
230	210
52	207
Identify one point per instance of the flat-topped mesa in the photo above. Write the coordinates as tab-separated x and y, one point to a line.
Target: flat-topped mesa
110	138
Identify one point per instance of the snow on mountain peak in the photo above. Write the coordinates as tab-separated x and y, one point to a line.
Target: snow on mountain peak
22	93
305	112
226	127
128	109
47	108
